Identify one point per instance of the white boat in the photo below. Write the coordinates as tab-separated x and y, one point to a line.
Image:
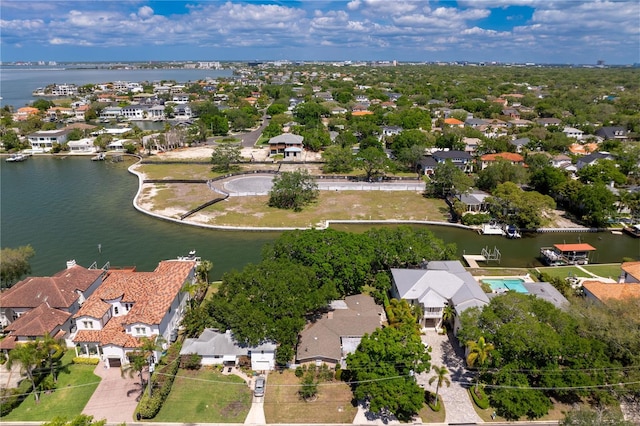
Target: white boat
14	158
100	157
512	232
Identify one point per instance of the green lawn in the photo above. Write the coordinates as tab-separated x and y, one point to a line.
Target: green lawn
76	384
282	404
206	396
563	271
609	270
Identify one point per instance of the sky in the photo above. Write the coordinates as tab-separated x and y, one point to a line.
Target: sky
537	31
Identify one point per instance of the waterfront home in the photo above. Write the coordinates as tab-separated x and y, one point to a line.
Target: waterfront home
130	305
626	287
337	333
135	112
474	200
217	348
24	113
43	140
82	146
37	306
439	284
110	113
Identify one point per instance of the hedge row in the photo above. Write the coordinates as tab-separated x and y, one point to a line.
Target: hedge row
163	378
475	219
85	360
479	397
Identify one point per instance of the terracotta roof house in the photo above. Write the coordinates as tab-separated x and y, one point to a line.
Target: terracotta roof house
603	292
441	283
129	305
511	157
453	122
217	348
37	306
339	331
630	272
39	322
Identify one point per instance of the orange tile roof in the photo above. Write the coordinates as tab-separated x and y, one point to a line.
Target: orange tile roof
632	268
151	294
587	148
615	291
453	121
38	322
59	291
509	156
361	113
574	247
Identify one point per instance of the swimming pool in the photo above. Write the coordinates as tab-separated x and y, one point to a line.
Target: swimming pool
499	285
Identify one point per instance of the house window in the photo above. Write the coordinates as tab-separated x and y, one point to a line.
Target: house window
128	306
116	310
140	330
87	324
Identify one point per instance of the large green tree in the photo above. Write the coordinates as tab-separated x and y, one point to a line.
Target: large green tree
526	209
225	156
374	162
383	370
338	159
500	172
447	179
293	190
14	264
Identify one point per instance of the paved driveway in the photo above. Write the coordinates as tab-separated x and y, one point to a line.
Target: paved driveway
110	400
458	404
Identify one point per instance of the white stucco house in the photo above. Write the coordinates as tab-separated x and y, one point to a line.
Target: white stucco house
217	348
441	283
43	140
130	305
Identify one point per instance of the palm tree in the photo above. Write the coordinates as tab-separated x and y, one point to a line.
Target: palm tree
441	377
448	314
479	353
29	357
137	363
142	357
49	347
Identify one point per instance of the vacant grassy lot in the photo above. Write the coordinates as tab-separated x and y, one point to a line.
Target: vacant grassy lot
206	396
76	384
345	205
176	171
283	405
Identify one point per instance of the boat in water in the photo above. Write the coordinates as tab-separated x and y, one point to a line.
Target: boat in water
492	228
100	157
16	158
511	231
633	230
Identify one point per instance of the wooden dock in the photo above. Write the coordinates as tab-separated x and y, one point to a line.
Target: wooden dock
473	259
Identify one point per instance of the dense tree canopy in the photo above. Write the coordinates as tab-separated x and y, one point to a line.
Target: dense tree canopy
539	349
225	156
14	264
526	209
447	179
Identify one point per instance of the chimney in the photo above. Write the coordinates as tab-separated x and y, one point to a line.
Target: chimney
71	263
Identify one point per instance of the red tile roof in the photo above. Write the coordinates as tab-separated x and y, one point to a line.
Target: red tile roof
151	294
509	156
632	268
615	291
453	121
574	247
59	291
38	322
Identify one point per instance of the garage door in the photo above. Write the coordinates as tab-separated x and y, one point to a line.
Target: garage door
260	365
114	362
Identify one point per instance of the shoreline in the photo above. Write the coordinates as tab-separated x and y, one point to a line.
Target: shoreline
323	224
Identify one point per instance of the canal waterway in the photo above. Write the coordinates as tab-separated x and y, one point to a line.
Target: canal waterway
74	208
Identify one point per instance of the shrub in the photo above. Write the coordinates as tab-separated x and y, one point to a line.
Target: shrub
191	361
85	361
475	219
163	378
430	399
11	398
299	372
479	397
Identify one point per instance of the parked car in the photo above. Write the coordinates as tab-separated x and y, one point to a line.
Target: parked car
258	390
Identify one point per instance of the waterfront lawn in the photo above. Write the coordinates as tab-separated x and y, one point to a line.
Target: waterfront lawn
176	171
498	271
338	205
206	396
562	271
76	384
605	270
282	404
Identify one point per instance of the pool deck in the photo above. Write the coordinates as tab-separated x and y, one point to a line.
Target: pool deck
526	278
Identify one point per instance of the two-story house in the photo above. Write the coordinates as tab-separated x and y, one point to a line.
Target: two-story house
43	140
130	305
37	306
441	283
460	159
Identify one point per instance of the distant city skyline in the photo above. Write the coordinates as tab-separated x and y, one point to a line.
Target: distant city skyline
538	31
